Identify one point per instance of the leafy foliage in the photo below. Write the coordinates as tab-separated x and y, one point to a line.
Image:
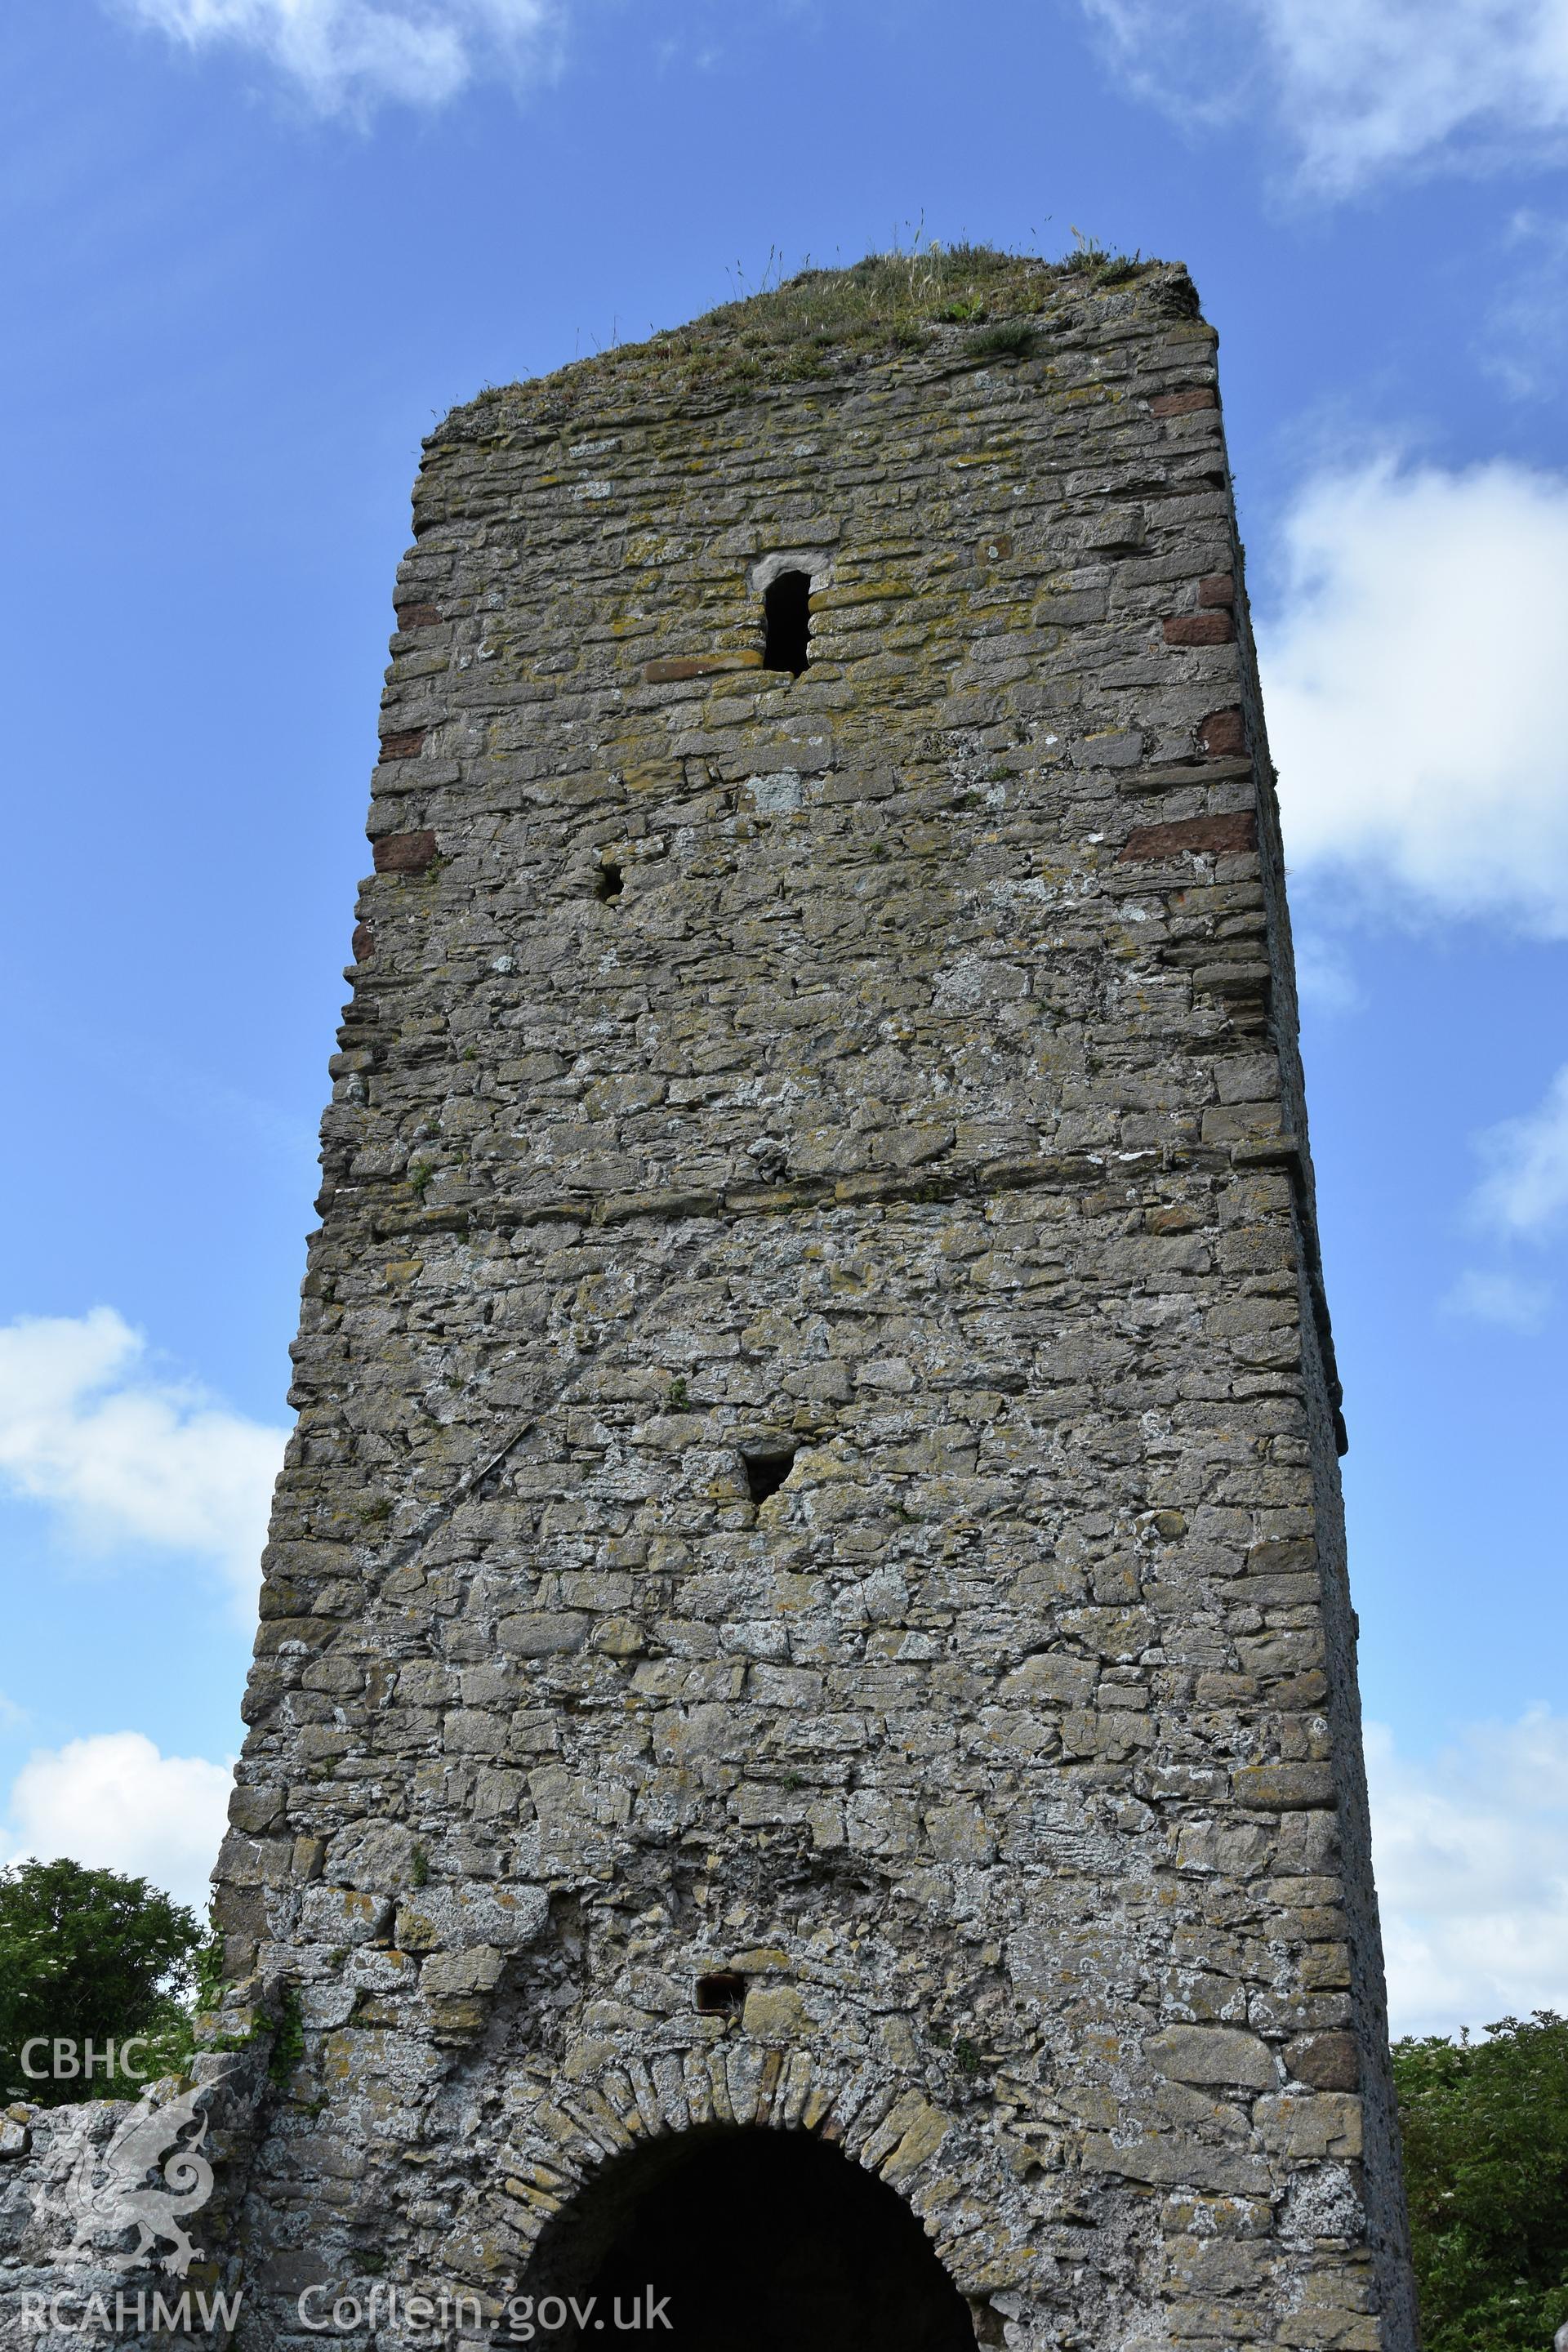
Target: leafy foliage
89	1955
1486	2161
794	328
288	2037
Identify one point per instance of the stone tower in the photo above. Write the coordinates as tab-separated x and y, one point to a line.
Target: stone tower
804	1752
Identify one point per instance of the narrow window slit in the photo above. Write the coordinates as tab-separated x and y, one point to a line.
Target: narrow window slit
787	608
723	1994
609	883
765	1473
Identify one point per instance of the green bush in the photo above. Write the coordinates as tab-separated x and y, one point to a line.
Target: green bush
88	1955
1014	340
1486	2164
1090	258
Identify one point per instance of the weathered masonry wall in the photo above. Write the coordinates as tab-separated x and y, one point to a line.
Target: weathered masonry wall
893	1066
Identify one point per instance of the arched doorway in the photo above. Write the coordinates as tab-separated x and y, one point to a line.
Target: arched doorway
754	2241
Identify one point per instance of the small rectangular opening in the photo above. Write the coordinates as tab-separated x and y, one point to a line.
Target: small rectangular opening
723	1994
765	1473
786	608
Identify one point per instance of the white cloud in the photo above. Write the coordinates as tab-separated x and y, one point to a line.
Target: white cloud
1471	1855
125	1457
1524	1194
346	55
1525	341
1523	1197
1355	86
114	1803
1506	1298
1410	680
1325	977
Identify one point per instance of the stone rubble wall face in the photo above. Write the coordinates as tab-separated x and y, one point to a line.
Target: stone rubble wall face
926	1100
70	2272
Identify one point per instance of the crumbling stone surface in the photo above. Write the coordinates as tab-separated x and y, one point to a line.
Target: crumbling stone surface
110	2231
894	1067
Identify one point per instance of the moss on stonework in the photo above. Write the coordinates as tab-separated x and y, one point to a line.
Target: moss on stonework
959	302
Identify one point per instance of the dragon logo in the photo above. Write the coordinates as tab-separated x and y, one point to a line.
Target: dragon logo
110	2190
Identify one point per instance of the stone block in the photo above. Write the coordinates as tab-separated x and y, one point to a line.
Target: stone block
1185	403
543	1632
460	1974
403	853
1195	837
775	2013
1213	2053
444	1917
1280	1787
1198	629
343	1915
1051	1678
1309	2127
959	1833
1328	2062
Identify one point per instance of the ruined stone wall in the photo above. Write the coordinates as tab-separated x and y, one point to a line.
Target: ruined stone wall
109	2228
895	1065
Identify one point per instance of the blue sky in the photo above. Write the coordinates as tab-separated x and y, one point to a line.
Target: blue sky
254	246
